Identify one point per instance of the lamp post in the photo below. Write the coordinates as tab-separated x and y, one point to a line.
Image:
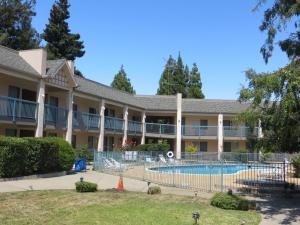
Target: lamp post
196	217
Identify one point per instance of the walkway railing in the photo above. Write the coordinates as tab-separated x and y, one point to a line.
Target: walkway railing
157	128
86	121
202	171
199	130
13	109
239	131
134	127
56	116
113	124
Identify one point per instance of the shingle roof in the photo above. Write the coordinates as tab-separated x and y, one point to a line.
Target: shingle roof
212	106
106	92
53	66
12	60
158	102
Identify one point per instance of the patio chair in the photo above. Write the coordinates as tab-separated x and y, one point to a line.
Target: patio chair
108	164
162	158
149	160
116	164
275	173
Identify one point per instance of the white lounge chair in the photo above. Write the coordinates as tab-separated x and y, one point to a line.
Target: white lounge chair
149	160
108	164
275	173
162	158
117	164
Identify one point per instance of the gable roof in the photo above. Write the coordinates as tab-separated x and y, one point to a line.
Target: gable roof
53	66
11	59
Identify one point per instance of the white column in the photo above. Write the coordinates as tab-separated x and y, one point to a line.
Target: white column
259	131
70	116
143	128
102	121
178	126
125	118
220	135
40	109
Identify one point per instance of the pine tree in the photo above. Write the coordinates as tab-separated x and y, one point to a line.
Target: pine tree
60	42
121	82
166	81
16	31
195	84
187	78
179	78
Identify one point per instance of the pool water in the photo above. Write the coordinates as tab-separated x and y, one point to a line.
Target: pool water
208	169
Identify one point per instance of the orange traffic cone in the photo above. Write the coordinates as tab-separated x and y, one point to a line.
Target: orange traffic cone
120	184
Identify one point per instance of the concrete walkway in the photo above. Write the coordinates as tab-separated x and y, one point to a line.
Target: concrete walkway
104	181
274	211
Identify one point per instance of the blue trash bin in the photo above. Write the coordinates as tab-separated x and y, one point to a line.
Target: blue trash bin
80	164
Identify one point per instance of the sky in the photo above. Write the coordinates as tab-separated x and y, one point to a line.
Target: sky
222	37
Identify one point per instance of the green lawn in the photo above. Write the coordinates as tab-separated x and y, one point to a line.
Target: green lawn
106	208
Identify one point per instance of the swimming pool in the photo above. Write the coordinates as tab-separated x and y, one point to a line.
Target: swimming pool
209	169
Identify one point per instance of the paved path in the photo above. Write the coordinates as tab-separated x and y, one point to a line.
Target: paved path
274	211
104	181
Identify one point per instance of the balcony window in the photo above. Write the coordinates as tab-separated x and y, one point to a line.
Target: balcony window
203	146
227	146
11	132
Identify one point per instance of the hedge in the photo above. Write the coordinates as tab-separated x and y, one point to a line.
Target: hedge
161	147
27	156
84	186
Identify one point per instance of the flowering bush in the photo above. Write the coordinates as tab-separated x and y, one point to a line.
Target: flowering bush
128	146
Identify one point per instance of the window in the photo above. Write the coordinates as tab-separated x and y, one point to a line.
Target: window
203	124
29	95
109	112
227	146
73	142
226	124
92	111
52	135
11	132
92	142
75	111
203	146
26	133
13	92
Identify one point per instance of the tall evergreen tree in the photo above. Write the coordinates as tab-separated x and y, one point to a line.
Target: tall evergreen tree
166	81
195	84
122	82
179	78
61	43
16	31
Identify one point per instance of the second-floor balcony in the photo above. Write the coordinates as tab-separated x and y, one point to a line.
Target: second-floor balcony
197	131
55	116
86	121
14	109
113	124
239	131
134	127
161	129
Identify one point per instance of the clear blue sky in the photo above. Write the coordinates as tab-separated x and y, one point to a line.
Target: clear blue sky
222	37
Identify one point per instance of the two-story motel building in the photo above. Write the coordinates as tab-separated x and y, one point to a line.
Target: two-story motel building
40	97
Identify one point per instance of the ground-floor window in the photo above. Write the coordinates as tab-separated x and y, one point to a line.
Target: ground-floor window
92	142
203	146
26	133
73	142
11	132
227	146
52	134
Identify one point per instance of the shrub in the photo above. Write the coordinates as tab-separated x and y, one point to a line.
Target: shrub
230	201
160	147
191	149
26	156
154	190
84	186
296	165
83	152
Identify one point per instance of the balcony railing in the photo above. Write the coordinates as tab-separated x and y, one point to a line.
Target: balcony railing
86	121
113	124
13	109
134	127
157	128
239	131
56	116
199	130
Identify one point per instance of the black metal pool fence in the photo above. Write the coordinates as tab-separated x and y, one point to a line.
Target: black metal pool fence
241	172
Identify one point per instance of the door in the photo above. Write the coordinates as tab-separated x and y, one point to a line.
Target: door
26	133
11	105
27	108
53	109
93	122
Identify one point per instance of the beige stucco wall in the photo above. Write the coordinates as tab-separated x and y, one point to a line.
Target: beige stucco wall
83	104
211	120
212	146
